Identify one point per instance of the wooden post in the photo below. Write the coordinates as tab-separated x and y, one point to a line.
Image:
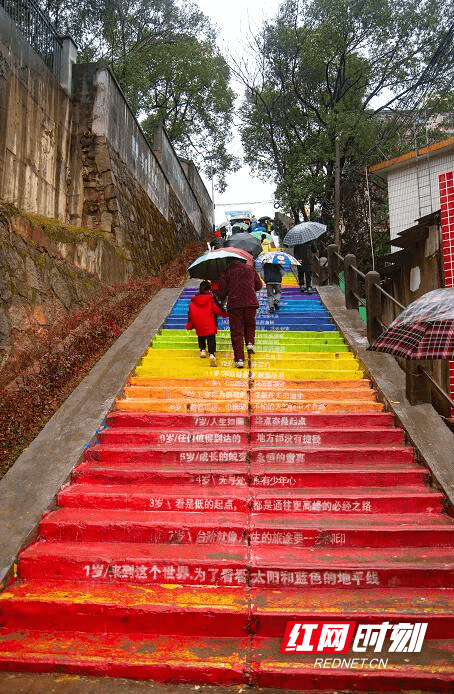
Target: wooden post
332	264
373	306
351	282
417	387
337	194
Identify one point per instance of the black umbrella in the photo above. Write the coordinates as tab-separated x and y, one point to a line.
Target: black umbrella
245	241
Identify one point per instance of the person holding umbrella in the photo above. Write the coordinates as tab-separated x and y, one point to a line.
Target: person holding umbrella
203	310
239	285
303	252
301	237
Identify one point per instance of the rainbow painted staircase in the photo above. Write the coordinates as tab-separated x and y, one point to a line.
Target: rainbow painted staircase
217	504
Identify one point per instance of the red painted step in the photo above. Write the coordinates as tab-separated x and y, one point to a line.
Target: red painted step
88	525
350	568
184	455
176	421
341	455
127	608
328	437
391	530
286	477
293	477
197	659
271	609
161	474
314	420
146	498
175	437
432	671
366	501
138	563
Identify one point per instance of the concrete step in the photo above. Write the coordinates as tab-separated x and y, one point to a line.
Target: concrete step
162	658
387	530
135	563
92	525
124	607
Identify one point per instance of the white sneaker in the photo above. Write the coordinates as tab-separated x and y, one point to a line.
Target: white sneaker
250	348
203	353
239	364
213	360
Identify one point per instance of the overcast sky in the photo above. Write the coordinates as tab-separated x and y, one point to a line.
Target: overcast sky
235	20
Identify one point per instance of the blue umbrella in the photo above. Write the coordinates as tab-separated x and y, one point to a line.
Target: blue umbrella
284	260
212	264
303	233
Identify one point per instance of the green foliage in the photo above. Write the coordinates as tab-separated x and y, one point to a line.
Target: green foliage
164	56
322	74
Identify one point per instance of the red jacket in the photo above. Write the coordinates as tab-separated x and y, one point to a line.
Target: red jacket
239	283
202	314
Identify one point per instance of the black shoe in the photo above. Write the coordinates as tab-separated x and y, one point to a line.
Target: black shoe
302	289
276	307
271	309
309	290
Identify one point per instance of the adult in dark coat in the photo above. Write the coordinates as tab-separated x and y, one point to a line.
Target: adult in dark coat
239	285
303	253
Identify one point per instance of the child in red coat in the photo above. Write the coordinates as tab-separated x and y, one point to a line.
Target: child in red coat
202	317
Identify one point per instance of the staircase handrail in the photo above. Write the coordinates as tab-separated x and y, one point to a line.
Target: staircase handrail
421	387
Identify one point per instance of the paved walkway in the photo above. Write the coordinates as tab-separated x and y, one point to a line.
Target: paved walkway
216	504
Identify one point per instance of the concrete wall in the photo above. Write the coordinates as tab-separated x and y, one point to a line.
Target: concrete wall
35	113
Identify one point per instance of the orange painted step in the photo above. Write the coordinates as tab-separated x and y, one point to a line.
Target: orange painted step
163	658
431	671
183	406
123	608
184	392
355	568
90	525
367	501
390	530
138	563
162	473
186	382
314	405
147	498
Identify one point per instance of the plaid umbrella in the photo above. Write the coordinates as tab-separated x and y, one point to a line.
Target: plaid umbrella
424	330
303	233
